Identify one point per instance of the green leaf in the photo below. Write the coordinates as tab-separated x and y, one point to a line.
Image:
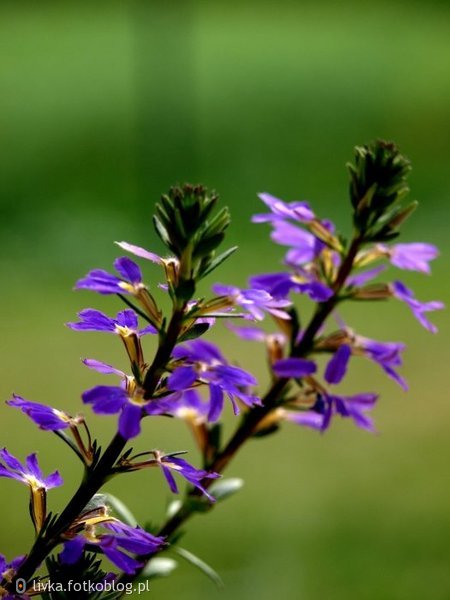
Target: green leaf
158	567
121	509
199	564
226	487
162	232
194	332
218	261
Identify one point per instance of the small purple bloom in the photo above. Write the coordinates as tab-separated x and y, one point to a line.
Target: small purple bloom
115	543
125	323
305	247
104	368
401	292
412	257
142	253
7	571
279	285
46	417
320	416
385	354
255	334
170	462
107	400
337	366
129	282
29	473
256	302
296	211
364	277
294	367
202	361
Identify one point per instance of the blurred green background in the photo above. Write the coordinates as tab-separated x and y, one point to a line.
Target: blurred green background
103	106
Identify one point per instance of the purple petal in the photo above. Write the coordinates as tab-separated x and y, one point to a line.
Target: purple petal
215	403
130	421
234	376
53	480
123	561
33	466
93	320
146	330
418	309
308	418
129	270
105	399
170	479
182	378
72	551
141	252
45	416
362	278
10	460
248	333
317	291
127	318
100	281
337	366
294	367
101	367
413	257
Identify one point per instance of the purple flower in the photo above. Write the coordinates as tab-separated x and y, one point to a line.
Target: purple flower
364	277
411	257
401	292
125	323
255	334
279	285
115	544
305	247
187	405
29	473
203	362
171	462
337	366
129	282
142	253
46	417
385	354
7	572
104	368
256	302
296	211
326	406
294	367
108	400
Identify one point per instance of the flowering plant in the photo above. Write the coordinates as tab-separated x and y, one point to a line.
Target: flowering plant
189	378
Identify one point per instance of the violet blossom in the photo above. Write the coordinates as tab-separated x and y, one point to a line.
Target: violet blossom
255	301
401	292
171	463
125	323
119	540
102	282
46	417
202	361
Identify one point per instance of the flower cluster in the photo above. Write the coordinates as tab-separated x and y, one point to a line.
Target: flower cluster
181	375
